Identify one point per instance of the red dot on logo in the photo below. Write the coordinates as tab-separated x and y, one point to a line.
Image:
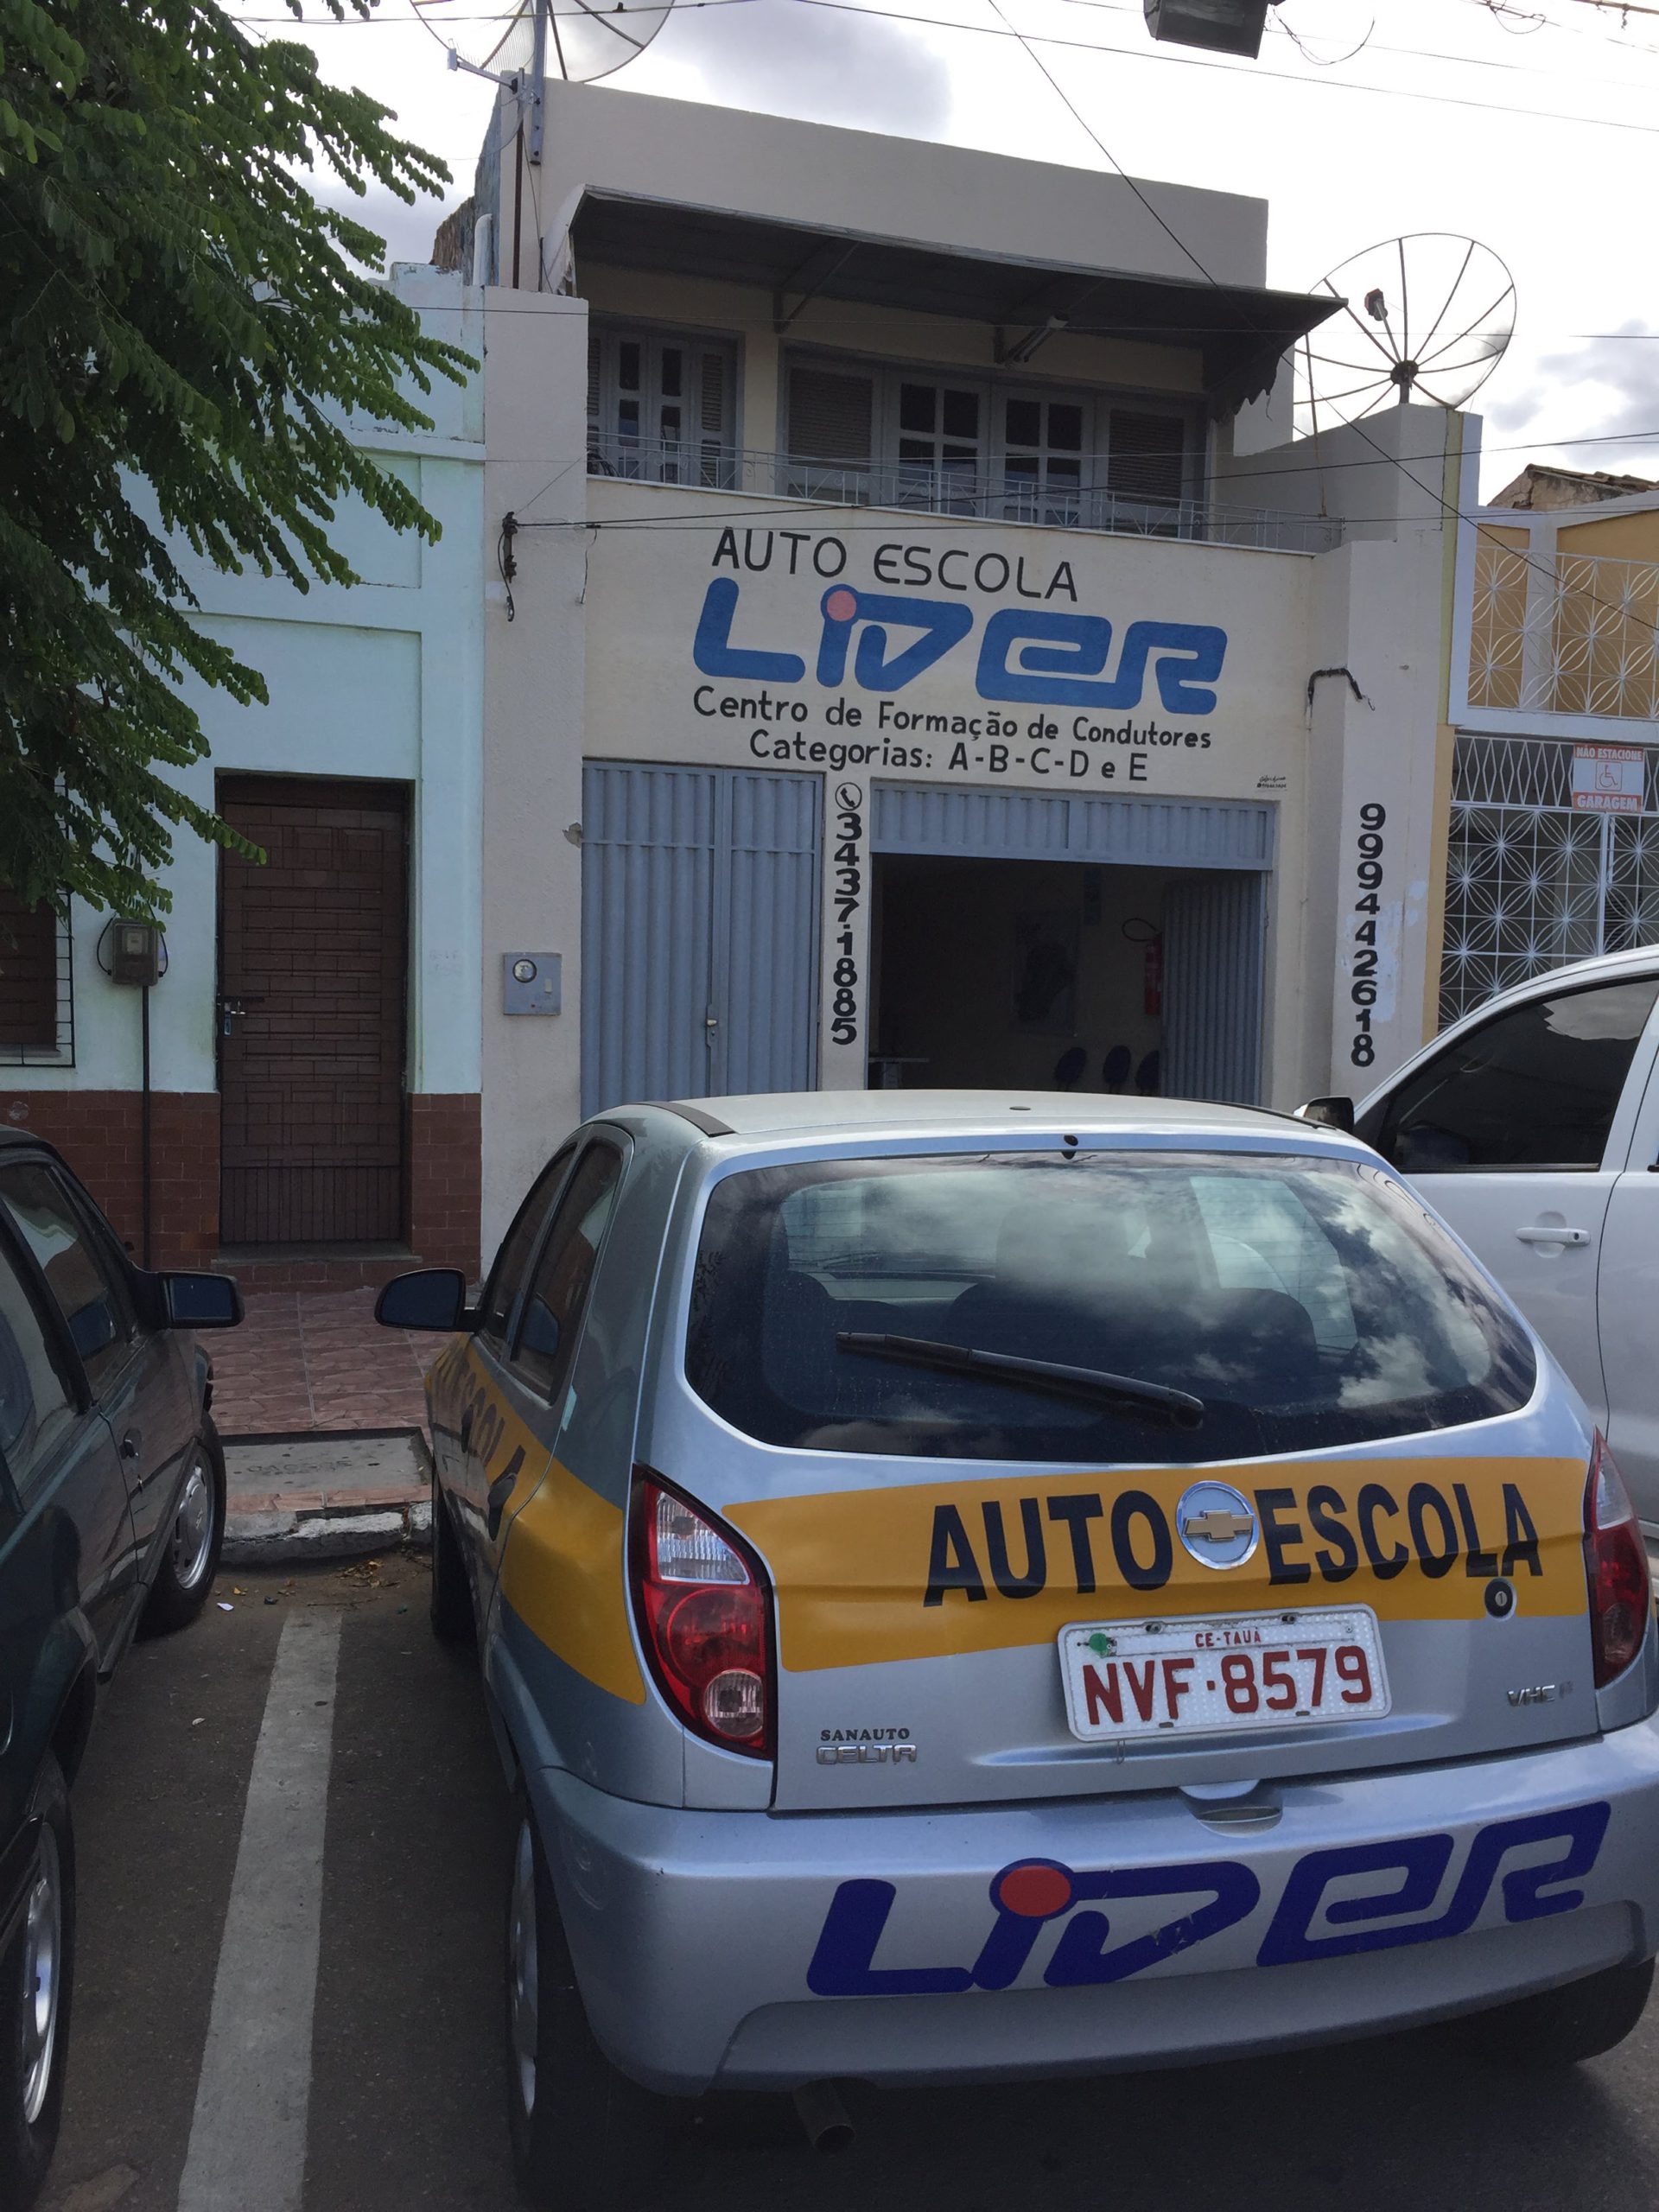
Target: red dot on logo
841	605
1034	1892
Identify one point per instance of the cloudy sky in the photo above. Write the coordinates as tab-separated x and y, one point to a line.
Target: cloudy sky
1532	125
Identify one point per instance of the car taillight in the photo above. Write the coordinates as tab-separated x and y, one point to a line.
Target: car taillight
1616	1567
705	1618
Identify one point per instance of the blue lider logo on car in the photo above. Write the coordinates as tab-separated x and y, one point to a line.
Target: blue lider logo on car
1216	1894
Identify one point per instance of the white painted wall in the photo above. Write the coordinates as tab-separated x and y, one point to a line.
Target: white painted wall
679	150
535	386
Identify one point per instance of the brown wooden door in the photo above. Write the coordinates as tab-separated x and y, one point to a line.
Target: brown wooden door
312	969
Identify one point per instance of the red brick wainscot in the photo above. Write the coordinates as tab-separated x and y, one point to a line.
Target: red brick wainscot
99	1132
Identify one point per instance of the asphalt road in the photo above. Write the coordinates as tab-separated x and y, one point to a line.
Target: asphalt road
389	2097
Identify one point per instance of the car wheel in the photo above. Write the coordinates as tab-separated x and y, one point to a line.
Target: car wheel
35	1978
1562	2027
190	1557
451	1600
585	2138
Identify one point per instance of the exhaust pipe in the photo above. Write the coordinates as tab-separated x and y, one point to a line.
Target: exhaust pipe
823	2116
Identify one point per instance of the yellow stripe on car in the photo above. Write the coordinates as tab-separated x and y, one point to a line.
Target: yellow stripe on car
931	1569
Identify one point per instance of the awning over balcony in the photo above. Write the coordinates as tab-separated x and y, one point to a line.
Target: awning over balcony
1240	330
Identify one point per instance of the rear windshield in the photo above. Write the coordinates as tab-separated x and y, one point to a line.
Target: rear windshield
1307	1302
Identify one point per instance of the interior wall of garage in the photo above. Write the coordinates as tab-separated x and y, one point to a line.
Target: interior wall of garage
950	938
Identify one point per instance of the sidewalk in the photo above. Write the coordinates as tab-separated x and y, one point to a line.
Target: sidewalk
306	1362
324	1418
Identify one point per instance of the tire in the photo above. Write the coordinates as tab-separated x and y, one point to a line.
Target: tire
36	1978
451	1600
190	1559
585	2138
1563	2027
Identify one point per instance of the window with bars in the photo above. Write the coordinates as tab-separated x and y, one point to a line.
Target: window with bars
1067	459
660	407
1532	881
36	993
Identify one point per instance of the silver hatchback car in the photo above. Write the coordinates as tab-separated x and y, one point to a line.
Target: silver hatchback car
973	1585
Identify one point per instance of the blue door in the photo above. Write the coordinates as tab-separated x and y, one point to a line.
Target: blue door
699	932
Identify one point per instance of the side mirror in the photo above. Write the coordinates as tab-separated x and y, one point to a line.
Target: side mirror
1331	1113
432	1298
204	1302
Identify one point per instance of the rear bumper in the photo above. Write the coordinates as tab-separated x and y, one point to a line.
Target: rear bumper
760	1950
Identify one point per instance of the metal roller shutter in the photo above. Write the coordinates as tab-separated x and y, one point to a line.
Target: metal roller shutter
699	930
1214	933
1040	825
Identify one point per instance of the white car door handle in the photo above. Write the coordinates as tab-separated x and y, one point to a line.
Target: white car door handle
1544	1235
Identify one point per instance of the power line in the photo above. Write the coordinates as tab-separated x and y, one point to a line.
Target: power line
1151	52
1448	507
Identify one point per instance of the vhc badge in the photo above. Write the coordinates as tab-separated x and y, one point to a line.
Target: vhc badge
1217	1525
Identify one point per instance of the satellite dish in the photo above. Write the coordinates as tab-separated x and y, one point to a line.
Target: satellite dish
583	42
1425	317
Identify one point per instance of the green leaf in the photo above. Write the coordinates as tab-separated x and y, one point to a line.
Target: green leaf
183	331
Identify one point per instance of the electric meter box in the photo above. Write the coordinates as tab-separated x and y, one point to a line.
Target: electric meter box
137	953
531	982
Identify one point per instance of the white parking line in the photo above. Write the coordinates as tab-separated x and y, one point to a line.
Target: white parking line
247	2140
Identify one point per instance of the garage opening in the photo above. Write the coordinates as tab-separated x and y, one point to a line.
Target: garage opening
1063	968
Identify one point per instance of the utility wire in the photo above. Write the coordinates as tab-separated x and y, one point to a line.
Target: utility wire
1448	507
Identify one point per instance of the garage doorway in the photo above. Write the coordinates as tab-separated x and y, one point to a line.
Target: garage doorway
1031	963
313	970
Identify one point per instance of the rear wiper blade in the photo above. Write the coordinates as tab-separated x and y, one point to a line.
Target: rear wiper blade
1128	1392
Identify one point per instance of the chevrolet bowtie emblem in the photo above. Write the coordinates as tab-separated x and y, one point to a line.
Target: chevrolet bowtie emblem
1218	1526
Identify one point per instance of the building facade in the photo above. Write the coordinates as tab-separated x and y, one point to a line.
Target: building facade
881	635
1553	839
312	1049
924	661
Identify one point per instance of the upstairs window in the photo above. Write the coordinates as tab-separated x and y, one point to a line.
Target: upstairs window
1069	458
660	408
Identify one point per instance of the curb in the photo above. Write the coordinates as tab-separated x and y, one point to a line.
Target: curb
274	1535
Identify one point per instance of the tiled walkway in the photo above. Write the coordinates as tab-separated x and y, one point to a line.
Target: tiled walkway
314	1359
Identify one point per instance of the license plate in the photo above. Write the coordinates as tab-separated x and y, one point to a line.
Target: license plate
1140	1679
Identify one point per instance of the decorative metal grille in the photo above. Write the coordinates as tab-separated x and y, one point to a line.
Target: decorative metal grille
1581	638
1530	883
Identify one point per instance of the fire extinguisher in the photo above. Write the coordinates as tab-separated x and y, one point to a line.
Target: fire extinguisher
1150	938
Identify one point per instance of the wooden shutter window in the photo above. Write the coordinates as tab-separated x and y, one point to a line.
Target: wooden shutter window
713	409
830	416
1145	455
28	977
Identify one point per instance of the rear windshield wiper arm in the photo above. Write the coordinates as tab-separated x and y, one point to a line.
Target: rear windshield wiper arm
1126	1392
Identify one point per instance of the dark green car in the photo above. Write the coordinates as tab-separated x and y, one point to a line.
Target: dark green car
111	1516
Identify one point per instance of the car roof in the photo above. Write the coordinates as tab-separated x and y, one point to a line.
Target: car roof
833	1113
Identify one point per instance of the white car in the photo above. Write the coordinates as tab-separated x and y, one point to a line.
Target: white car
1532	1126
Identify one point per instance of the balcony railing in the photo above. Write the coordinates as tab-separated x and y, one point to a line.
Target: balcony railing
1004	495
1575	635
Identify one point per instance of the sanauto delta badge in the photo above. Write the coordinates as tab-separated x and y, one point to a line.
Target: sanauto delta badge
1216	1524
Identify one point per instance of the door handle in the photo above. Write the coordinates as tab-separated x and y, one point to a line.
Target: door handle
497	1496
1544	1235
129	1443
